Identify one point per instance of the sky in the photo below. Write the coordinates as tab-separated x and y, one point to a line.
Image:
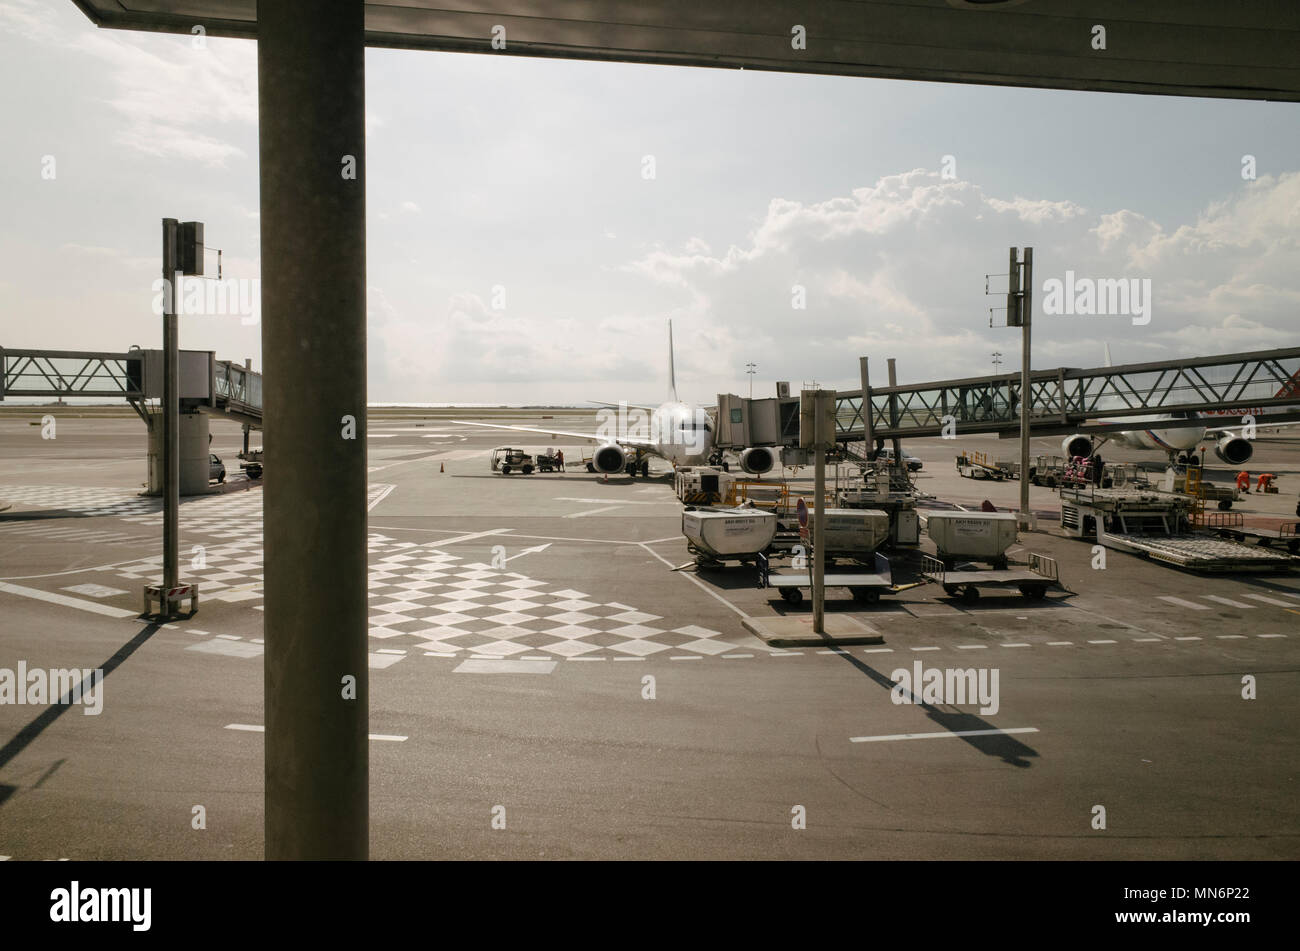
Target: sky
533	224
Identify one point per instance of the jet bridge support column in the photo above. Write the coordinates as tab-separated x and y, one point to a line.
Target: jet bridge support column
311	113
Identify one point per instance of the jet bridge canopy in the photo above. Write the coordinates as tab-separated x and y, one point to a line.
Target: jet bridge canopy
1240	50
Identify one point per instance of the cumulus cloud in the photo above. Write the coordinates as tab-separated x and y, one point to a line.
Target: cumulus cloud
897	269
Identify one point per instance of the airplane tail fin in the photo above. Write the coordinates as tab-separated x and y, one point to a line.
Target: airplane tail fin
672	375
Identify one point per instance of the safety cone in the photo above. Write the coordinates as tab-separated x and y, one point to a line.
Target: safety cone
606	479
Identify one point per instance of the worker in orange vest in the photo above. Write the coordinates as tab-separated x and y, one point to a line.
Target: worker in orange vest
1243	481
1265	480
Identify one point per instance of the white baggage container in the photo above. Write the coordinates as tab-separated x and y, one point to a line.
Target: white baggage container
854	531
729	533
984	535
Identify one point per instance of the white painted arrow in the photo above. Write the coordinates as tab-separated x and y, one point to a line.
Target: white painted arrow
528	551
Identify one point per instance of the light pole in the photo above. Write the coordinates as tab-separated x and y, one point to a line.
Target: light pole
751	369
997	360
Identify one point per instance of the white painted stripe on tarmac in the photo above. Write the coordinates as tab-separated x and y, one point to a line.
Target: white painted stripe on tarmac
501	666
1231	637
944	735
1270	635
1229	602
1191	605
255	728
878	650
1101	642
67	602
1267	600
925	648
439	542
1014	645
1060	643
972	647
380	497
607	508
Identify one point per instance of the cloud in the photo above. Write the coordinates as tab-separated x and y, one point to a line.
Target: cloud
178	101
897	269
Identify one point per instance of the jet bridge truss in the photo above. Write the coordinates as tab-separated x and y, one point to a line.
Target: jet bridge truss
1265	384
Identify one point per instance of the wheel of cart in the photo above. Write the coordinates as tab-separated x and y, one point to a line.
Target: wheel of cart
792	595
970	594
528	470
591	467
866	595
505	470
1034	592
1225	504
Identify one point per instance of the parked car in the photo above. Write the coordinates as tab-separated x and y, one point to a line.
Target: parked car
887	454
216	468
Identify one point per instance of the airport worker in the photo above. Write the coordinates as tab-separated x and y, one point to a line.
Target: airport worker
1265	480
559	458
1096	469
1243	481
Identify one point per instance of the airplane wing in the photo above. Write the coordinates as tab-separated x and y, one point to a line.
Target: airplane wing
1259	424
588	437
621	405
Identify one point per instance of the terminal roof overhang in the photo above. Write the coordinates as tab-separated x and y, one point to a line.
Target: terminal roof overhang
1246	49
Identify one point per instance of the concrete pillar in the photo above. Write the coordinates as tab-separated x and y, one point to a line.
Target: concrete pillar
311	107
193	469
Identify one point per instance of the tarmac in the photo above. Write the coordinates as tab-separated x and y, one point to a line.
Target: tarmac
532	649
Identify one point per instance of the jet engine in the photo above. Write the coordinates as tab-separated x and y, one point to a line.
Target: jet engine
757	459
610	458
1234	450
1077	445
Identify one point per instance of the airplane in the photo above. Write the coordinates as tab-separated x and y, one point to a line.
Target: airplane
678	432
1180	442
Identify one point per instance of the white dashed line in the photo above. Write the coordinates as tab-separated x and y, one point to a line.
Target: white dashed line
972	647
585	658
678	657
877	650
925	648
1102	642
1060	643
1231	637
941	736
1014	645
1270	635
230	637
1146	640
254	728
389	650
1229	602
739	656
1267	600
1191	605
1188	637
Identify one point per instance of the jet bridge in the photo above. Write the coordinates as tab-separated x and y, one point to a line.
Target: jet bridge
1265	383
217	387
207	386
